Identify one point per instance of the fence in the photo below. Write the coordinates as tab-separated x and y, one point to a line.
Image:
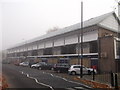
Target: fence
105	78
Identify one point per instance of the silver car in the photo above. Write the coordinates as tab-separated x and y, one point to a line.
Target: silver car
75	69
24	64
37	65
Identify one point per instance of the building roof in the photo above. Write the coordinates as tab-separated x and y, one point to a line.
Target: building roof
87	23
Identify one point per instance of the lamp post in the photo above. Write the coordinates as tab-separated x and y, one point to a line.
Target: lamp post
53	51
25	50
118	32
119	9
80	47
81	69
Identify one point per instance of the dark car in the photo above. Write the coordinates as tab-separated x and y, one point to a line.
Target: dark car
61	67
42	66
46	66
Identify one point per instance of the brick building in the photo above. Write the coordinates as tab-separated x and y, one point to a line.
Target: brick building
100	45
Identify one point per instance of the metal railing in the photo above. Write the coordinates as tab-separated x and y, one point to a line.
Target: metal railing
112	79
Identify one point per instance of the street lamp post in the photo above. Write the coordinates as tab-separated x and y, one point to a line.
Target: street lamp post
25	50
81	69
80	35
53	51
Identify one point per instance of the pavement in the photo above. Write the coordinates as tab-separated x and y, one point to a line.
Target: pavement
25	77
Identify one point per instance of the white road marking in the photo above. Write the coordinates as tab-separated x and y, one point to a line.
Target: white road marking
38	81
80	88
72	81
51	74
78	83
67	80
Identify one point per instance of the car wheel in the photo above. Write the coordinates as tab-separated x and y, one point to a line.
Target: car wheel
33	67
73	73
92	72
89	72
40	68
58	71
52	68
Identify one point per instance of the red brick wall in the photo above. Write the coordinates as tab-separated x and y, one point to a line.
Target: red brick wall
107	57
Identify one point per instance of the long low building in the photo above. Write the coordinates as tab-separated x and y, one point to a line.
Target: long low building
101	45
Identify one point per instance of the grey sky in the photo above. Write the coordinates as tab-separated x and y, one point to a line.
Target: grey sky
26	19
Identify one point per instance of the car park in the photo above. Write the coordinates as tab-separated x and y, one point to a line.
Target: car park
75	69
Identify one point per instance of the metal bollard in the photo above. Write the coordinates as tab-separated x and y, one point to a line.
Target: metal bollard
116	82
93	74
112	79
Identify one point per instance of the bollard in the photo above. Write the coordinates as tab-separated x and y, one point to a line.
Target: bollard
93	74
112	79
116	82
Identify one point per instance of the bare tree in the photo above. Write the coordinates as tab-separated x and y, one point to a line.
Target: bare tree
53	29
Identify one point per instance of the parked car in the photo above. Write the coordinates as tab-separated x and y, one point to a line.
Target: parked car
61	67
24	64
75	69
42	65
32	63
17	64
5	62
46	66
37	65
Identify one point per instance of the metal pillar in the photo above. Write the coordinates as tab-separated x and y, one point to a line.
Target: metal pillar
81	69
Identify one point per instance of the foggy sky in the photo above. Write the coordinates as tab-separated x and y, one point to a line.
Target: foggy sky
26	19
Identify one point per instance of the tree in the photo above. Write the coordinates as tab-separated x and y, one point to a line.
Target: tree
53	29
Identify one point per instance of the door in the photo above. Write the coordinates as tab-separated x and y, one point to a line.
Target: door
94	63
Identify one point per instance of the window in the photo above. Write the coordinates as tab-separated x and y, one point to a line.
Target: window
118	49
68	49
34	53
63	60
93	47
76	67
48	51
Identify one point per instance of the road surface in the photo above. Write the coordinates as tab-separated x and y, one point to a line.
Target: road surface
25	77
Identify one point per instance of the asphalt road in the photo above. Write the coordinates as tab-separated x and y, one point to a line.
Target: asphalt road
25	77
